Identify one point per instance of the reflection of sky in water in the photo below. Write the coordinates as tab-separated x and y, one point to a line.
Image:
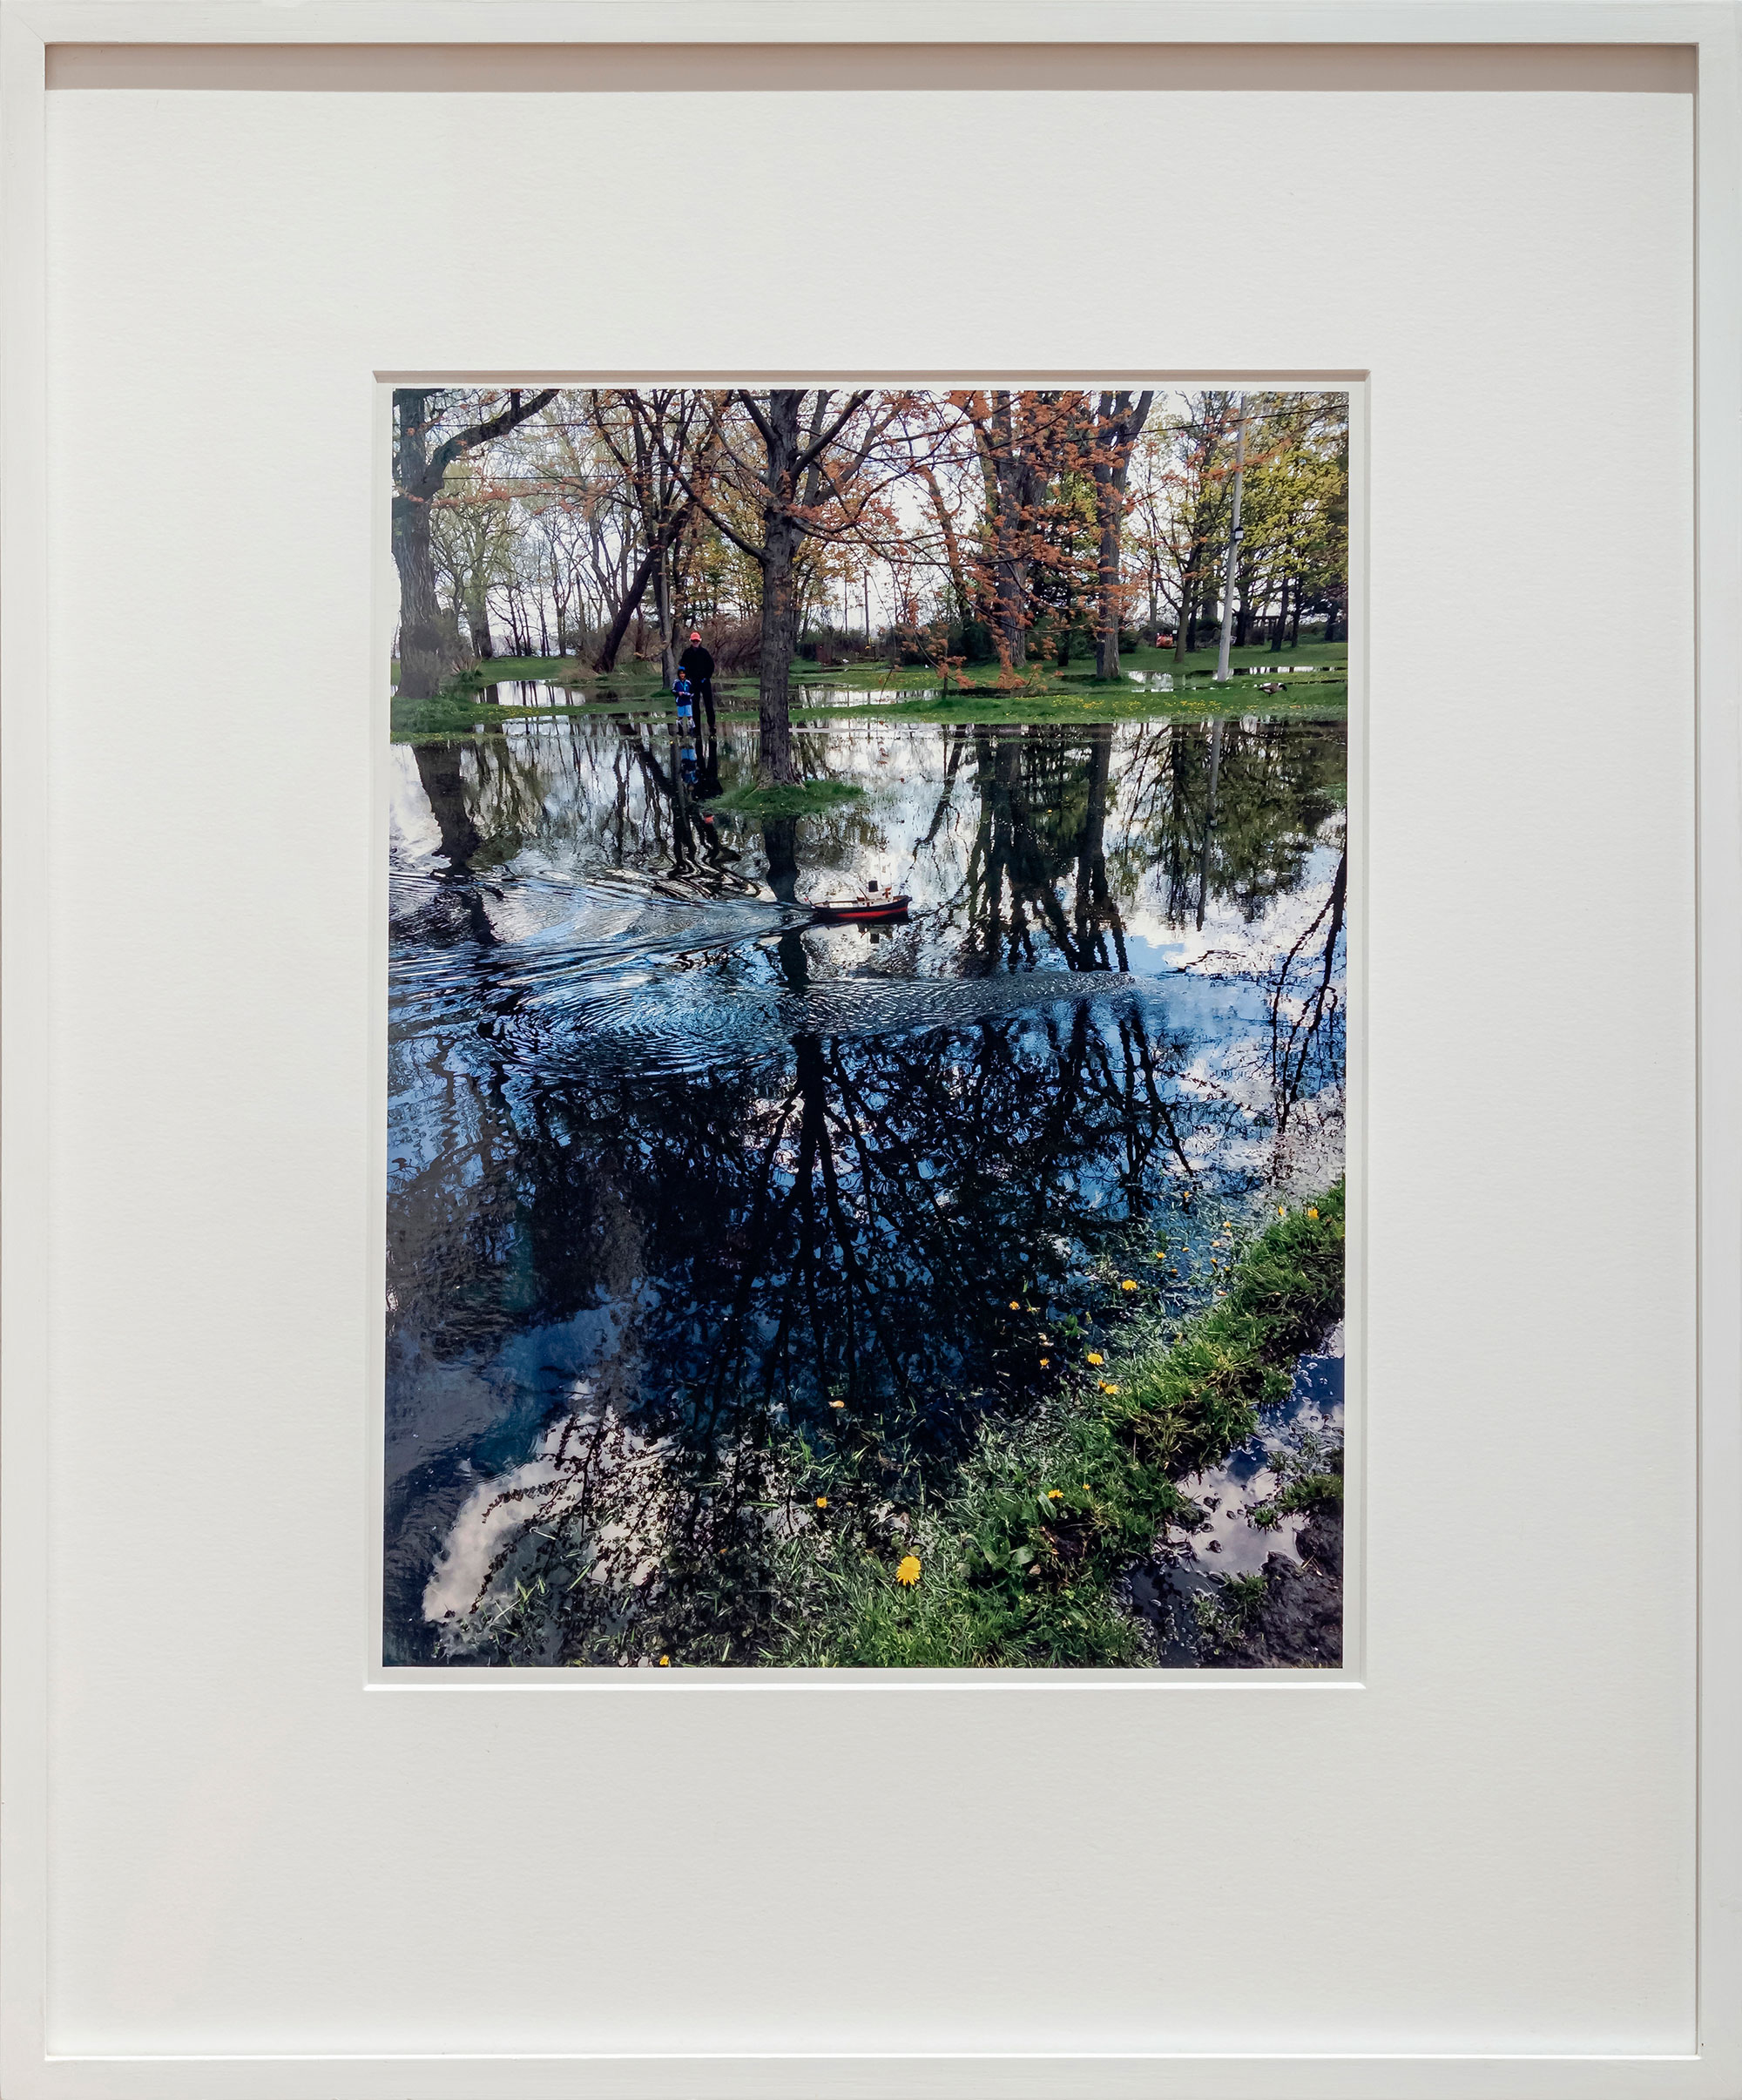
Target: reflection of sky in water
612	1053
600	812
1302	1433
1229	1543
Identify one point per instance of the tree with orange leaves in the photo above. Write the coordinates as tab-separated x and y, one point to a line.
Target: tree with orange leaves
1024	440
796	460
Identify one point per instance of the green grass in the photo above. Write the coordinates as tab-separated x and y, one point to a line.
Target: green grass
460	709
1305	1489
1311	699
982	693
1020	1566
633	677
977	694
1200	663
801	799
521	667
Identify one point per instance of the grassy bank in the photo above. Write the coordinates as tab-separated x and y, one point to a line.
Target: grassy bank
1198	664
1021	1566
1315	684
1304	699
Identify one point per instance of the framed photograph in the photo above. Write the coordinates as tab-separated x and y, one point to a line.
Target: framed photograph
867	977
870	1206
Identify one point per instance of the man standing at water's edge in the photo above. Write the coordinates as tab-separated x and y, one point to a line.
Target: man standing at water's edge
697	666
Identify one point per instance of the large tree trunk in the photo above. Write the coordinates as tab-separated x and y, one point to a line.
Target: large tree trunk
774	765
422	659
780	634
1184	632
1119	425
1010	570
477	618
1107	635
422	665
417	478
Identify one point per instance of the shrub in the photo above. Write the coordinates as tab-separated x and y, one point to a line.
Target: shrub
734	645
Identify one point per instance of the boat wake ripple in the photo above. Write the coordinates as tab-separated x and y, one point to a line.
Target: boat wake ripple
604	991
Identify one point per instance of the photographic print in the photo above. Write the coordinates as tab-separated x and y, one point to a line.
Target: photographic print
867	988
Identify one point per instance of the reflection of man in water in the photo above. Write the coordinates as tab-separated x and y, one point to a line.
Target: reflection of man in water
697	666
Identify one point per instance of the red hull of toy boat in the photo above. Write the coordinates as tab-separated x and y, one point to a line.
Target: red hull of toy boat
893	908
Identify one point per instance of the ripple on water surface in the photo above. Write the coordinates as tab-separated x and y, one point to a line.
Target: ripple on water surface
605	989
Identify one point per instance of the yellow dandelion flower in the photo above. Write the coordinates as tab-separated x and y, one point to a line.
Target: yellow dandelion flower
822	1501
1055	1495
837	1403
908	1572
665	1661
1015	1308
1044	1362
1128	1285
1311	1213
1105	1388
1095	1356
1282	1210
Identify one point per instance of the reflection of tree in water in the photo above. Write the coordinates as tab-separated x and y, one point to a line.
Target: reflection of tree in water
822	1246
1227	809
1089	812
1306	1028
846	1226
1276	786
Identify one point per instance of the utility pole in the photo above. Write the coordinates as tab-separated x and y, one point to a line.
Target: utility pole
1222	670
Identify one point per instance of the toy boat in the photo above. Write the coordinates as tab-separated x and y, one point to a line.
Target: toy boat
870	903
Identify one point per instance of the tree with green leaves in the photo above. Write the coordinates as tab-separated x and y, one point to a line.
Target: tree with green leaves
422	456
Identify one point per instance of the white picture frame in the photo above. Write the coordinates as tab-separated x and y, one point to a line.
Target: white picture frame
149	2011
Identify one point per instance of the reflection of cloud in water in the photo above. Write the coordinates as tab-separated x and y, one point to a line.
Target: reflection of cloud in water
592	1461
1229	1543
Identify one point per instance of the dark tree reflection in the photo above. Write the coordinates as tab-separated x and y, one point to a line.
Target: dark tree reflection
623	1281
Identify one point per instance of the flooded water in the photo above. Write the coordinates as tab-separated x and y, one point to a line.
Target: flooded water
675	1172
1237	1531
